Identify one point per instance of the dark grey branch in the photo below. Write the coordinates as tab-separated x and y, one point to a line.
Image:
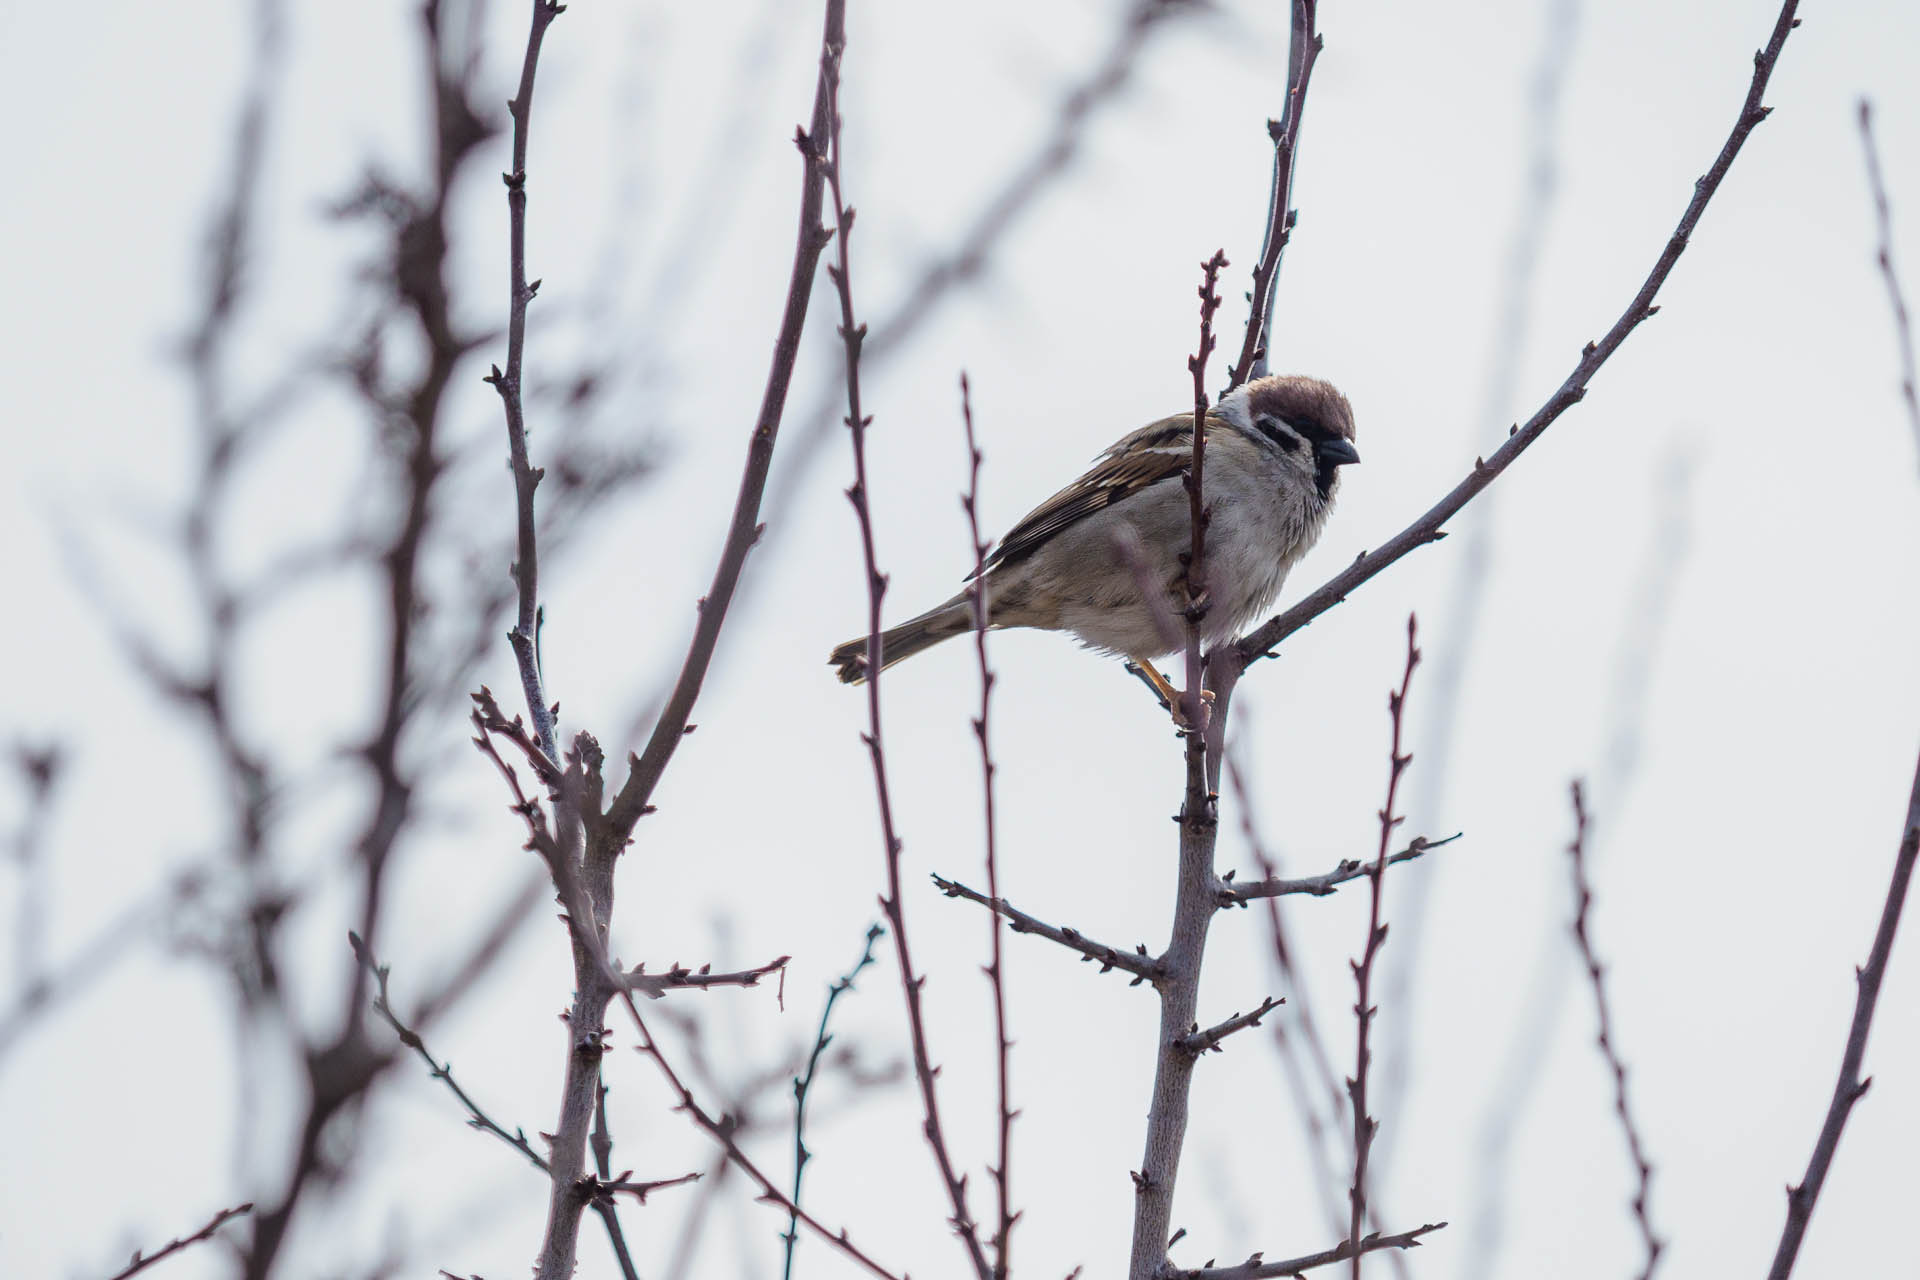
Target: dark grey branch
1238	893
1257	1268
1143	967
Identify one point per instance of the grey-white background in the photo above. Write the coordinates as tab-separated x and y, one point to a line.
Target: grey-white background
1700	596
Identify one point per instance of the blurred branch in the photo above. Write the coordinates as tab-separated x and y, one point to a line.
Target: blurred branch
803	1086
1428	527
1636	1149
1883	217
1303	48
141	1262
1239	893
1364	1125
912	984
1143	967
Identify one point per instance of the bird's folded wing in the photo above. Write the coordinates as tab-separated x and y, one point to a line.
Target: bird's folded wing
1157	452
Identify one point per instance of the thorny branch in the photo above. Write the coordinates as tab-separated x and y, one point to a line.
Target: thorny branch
1429	526
1235	893
1143	967
1179	983
1364	1125
996	971
892	904
1257	1268
1303	49
1636	1148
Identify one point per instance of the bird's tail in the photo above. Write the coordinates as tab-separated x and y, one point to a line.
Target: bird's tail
954	618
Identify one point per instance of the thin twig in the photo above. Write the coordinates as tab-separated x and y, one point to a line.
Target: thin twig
1199	1042
1883	217
1256	1268
1429	527
1303	49
526	477
1364	1125
1199	515
140	1262
892	904
745	528
1143	967
996	971
803	1085
1235	893
1636	1148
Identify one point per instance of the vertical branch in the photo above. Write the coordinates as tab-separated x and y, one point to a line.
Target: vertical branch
526	477
852	333
996	972
1364	1125
803	1086
1303	49
1883	217
1636	1150
1195	895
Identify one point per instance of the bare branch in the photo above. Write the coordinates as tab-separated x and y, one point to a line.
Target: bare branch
1143	967
1303	48
1200	1042
852	334
526	477
745	529
678	977
996	970
1256	1268
1429	527
1238	893
1636	1149
140	1262
1364	1125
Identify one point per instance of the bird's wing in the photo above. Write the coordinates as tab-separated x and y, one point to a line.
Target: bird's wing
1156	452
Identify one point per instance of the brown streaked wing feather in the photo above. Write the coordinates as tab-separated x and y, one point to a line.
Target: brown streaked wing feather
1156	452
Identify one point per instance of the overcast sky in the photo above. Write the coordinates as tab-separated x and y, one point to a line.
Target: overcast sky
1697	594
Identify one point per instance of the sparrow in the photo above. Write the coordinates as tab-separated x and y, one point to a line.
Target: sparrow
1078	562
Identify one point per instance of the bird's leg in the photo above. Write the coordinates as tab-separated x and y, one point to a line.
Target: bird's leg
1170	697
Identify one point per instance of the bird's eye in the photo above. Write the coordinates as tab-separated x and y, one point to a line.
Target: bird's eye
1273	429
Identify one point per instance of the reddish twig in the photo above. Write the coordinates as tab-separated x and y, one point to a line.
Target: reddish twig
1636	1149
996	970
892	904
1429	527
1883	219
1303	49
140	1262
1256	1268
1143	967
1364	1125
1198	514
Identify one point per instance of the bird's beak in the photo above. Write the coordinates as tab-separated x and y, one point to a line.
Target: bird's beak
1338	452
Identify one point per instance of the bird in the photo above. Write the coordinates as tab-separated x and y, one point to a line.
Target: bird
1084	560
